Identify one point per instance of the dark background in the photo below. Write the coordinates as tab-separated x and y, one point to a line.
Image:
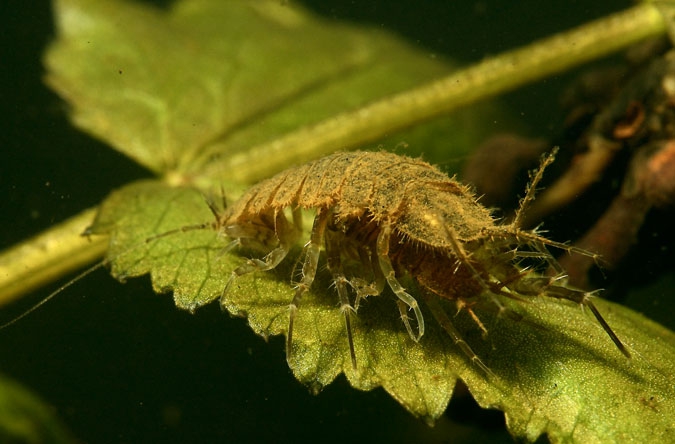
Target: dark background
121	364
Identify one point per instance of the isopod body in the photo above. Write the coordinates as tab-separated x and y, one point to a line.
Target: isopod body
393	215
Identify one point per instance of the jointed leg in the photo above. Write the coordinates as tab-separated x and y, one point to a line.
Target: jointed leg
312	250
286	236
390	275
463	259
539	243
584	299
450	329
364	287
335	267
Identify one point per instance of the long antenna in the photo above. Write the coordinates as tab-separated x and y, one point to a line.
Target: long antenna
531	190
88	271
85	273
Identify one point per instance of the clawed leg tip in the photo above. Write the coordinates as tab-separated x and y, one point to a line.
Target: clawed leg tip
624	351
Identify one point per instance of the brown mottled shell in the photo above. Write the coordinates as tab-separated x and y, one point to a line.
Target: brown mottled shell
410	193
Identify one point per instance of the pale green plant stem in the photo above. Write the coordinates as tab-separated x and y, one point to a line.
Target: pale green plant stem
493	76
61	249
48	256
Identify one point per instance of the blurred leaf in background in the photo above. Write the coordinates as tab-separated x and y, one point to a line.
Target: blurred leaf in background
25	419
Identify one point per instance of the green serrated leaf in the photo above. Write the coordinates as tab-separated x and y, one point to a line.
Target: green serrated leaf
555	370
197	272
